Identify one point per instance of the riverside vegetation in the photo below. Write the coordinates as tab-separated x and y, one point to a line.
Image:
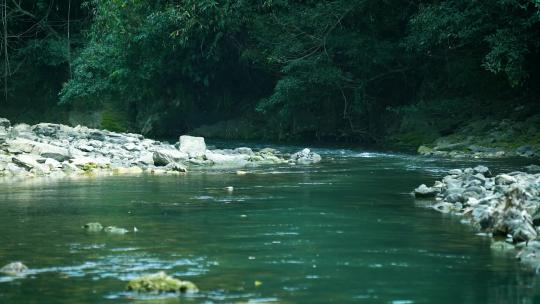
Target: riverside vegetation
400	73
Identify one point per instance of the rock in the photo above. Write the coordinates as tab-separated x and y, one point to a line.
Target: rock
443	207
305	157
482	170
237	160
240	172
229	189
38	148
13	169
14	269
26	161
145	159
52	164
160	283
5	123
92	227
530	256
504	179
86	148
55	150
455	172
132	147
69	168
193	146
176	168
424	191
90	163
455	198
163	157
115	230
505	206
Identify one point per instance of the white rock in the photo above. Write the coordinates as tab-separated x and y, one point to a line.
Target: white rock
193	146
52	163
223	159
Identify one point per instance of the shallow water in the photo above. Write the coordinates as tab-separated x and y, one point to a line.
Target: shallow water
343	231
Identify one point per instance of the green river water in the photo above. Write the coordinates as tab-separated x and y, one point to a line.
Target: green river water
342	231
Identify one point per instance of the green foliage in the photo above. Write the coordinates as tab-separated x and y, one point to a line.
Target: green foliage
306	70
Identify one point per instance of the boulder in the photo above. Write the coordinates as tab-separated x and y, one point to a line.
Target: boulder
38	148
46	129
52	164
163	157
26	161
192	145
305	157
160	283
424	191
14	269
504	179
482	170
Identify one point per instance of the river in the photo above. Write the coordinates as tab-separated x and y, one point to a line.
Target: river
342	231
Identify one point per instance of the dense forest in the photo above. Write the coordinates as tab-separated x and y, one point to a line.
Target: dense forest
372	71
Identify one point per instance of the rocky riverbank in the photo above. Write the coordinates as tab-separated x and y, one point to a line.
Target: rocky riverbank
505	206
57	150
489	138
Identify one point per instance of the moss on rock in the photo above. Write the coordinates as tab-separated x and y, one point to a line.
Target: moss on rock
161	283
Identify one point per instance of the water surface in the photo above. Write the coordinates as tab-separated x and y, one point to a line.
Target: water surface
342	231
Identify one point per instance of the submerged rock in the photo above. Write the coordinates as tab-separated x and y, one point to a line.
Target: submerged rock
92	227
160	283
14	269
502	247
115	230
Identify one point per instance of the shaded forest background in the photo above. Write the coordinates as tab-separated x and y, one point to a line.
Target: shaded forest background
372	71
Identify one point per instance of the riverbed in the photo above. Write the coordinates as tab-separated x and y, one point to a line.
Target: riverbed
345	230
